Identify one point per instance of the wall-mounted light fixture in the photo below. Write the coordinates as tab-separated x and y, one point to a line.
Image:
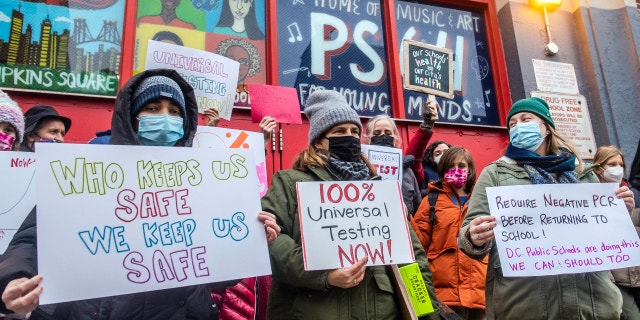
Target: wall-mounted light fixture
550	47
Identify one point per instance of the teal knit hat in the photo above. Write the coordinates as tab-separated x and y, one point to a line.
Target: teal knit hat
534	105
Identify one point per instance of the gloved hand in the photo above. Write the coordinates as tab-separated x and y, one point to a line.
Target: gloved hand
429	109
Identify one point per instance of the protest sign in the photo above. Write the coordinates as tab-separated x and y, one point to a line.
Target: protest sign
428	68
215	137
213	77
18	197
114	220
343	221
388	161
274	101
551	229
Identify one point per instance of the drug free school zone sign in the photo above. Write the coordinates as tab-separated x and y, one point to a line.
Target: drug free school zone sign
121	219
342	222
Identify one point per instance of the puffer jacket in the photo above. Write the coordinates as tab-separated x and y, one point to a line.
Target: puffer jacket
584	296
629	277
459	280
299	294
246	300
193	302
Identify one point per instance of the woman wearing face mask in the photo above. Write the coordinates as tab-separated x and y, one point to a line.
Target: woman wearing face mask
354	292
154	108
11	123
458	279
382	131
536	155
610	167
43	124
430	160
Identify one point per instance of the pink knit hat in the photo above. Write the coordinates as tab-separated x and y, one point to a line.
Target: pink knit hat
11	113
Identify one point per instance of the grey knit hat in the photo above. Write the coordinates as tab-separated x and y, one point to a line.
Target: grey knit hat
11	113
325	109
154	88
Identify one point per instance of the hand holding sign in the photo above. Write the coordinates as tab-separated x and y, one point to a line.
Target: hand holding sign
344	221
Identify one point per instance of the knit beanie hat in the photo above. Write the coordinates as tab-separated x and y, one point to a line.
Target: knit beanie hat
534	105
11	113
154	88
325	109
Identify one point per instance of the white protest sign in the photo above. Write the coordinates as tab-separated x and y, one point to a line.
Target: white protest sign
213	77
387	160
114	220
214	137
344	221
550	229
17	170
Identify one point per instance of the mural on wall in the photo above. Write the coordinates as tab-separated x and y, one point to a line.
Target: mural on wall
464	32
336	45
71	46
231	28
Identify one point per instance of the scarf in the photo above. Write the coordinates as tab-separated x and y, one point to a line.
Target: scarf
347	171
540	168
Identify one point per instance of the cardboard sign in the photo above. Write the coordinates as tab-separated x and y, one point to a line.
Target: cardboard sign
17	170
344	221
388	161
114	220
274	101
551	229
213	77
216	137
428	68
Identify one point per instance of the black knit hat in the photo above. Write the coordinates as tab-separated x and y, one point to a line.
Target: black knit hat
157	87
33	118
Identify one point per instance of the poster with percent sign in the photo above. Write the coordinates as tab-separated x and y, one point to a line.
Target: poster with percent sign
345	221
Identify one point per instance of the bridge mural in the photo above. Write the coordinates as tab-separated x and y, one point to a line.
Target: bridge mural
66	46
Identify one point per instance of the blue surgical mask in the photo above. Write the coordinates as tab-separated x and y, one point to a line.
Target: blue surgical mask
160	130
526	135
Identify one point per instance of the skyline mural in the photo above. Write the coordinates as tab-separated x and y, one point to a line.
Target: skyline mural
71	48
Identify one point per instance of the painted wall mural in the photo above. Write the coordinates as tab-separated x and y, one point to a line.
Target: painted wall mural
335	45
464	32
231	28
69	46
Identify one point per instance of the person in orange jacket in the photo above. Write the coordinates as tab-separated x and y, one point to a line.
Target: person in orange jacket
459	281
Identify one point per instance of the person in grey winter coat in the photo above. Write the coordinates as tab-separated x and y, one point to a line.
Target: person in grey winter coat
156	107
536	155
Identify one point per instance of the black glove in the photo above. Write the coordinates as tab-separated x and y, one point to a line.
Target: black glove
427	117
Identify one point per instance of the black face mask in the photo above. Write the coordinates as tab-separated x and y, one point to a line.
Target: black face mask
345	148
383	140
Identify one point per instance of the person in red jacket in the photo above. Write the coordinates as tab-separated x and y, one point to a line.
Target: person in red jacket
459	281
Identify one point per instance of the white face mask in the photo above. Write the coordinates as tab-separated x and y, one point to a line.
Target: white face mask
613	174
437	159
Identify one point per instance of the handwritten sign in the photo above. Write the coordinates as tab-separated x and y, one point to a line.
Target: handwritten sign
388	161
428	68
571	116
114	220
342	222
18	196
217	137
213	77
275	101
556	229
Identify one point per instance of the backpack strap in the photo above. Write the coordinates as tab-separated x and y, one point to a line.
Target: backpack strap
433	198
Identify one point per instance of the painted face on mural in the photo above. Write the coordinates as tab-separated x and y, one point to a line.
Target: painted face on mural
241	55
170	4
240	8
